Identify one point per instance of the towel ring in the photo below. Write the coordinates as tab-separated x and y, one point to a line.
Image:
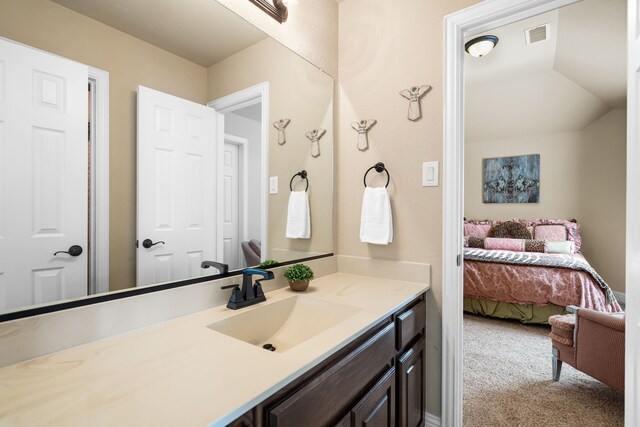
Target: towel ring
379	167
302	174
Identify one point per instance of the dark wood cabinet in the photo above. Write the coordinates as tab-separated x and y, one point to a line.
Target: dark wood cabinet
411	386
378	380
378	407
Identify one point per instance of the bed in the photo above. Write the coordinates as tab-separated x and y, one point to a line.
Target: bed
530	271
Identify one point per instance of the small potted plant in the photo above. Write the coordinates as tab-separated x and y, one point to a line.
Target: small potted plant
299	276
268	263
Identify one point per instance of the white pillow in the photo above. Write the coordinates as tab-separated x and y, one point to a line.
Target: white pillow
559	247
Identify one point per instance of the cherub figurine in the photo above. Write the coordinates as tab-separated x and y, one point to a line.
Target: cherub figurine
314	136
362	127
281	125
413	95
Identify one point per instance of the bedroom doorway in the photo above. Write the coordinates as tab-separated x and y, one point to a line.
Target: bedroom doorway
460	27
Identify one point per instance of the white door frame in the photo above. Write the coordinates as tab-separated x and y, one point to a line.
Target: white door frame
458	26
243	160
99	238
235	101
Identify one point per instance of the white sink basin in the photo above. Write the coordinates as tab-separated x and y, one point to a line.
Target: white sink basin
286	323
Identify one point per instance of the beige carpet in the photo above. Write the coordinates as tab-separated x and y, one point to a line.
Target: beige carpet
507	381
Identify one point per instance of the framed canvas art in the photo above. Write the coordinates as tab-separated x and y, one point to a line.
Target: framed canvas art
511	179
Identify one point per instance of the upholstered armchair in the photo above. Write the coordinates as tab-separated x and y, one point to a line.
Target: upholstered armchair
590	341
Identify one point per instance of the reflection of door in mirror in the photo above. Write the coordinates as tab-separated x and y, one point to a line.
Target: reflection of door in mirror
176	188
241	183
44	177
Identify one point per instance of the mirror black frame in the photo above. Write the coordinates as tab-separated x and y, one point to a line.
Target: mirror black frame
131	292
275	9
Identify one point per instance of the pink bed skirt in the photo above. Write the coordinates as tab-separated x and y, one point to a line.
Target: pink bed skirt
524	284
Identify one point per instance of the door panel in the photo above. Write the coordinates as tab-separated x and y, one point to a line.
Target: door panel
231	219
377	408
43	176
176	187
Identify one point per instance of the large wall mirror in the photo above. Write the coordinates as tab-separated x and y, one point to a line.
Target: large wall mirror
140	139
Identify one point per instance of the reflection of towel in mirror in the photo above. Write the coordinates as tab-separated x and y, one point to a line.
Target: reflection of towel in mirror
376	222
298	216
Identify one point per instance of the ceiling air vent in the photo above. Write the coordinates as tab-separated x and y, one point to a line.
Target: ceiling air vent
537	34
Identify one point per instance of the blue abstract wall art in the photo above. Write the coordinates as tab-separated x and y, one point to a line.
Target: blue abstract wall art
512	179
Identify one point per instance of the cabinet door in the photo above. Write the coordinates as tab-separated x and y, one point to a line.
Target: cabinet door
411	384
245	420
327	397
377	407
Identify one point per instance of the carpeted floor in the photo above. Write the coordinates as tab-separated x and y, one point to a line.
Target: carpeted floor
507	381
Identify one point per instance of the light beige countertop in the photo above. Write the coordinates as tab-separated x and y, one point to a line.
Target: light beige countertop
180	372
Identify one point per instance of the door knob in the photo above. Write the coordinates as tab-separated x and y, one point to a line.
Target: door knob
74	250
147	243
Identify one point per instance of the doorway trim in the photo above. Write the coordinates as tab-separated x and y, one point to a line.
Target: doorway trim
99	238
458	26
243	145
228	104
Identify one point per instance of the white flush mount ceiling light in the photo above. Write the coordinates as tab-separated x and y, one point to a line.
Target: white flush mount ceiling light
480	46
290	3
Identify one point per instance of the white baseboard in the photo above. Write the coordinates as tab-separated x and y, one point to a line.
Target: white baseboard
432	420
621	297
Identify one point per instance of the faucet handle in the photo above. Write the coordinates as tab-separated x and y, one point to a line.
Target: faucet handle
236	294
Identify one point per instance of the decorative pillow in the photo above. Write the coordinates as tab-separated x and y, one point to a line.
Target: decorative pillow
534	246
550	232
573	228
476	242
492	243
476	230
510	230
559	247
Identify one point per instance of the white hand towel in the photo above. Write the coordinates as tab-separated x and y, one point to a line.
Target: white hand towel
376	221
298	216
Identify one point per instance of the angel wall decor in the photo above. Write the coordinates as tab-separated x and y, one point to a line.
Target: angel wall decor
362	127
314	136
281	125
413	95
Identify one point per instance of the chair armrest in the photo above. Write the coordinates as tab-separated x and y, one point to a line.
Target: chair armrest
606	319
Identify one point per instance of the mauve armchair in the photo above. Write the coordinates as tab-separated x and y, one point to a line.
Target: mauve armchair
590	341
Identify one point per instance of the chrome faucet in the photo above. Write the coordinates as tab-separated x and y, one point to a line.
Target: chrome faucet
222	268
249	294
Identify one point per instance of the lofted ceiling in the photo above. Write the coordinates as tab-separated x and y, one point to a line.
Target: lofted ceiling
558	85
201	31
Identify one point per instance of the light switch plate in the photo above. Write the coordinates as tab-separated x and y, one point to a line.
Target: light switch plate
273	185
430	174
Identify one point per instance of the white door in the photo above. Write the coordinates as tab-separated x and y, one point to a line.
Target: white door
231	188
176	187
632	339
43	176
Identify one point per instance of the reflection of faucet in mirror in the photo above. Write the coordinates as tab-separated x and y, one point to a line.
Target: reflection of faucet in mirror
314	136
222	268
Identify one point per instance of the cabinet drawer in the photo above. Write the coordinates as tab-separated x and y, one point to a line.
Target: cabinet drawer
410	323
326	398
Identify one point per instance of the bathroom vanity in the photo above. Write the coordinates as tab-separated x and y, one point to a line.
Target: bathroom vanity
349	350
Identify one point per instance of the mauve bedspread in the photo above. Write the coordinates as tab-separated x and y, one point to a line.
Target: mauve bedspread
529	284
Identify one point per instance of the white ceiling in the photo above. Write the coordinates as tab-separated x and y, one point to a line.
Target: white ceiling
202	31
559	85
252	112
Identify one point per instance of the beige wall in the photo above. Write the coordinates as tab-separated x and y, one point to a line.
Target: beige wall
130	62
384	47
582	176
603	196
311	29
561	177
297	91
